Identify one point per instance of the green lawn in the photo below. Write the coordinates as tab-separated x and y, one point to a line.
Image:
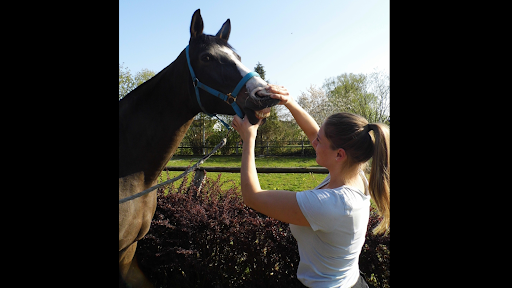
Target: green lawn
268	181
234	161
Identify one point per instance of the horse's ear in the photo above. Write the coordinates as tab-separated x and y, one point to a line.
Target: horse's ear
196	27
224	30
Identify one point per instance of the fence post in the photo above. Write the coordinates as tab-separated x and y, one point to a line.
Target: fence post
302	147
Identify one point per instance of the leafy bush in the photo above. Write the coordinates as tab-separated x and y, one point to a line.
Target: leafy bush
211	239
374	257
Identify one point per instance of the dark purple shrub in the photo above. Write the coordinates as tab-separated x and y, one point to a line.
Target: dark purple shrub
211	239
374	258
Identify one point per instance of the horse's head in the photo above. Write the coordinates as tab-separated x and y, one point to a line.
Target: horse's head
216	65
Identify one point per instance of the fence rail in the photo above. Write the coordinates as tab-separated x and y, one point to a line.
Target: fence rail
318	170
299	148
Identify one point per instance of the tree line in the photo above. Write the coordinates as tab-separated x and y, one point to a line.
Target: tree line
363	94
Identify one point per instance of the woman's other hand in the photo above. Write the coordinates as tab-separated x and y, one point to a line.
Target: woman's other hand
246	130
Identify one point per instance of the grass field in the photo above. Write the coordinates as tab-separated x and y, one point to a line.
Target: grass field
234	161
268	181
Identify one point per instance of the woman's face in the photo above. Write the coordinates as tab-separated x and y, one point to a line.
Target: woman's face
324	154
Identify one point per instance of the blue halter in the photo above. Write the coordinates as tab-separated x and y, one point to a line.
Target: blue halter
229	98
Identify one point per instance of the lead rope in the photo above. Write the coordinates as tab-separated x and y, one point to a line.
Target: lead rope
194	167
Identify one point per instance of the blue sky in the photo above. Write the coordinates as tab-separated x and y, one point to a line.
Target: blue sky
299	42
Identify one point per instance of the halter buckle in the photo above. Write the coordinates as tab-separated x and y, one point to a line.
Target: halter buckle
230	99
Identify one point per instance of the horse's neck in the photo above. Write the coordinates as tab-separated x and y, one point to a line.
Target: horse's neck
153	120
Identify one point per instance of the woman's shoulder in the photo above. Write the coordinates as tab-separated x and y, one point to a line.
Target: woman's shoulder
323	198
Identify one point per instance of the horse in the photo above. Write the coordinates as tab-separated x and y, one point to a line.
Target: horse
154	117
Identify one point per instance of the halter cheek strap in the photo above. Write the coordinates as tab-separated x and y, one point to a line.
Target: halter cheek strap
243	81
229	98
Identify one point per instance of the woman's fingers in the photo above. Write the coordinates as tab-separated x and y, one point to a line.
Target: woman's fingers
277	89
236	122
283	98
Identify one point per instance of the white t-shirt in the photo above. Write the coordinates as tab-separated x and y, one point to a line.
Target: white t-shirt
329	249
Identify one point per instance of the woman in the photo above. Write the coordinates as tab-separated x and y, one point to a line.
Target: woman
329	222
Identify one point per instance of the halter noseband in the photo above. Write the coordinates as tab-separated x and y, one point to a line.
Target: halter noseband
229	98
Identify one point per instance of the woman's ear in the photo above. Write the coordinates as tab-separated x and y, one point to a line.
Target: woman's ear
341	155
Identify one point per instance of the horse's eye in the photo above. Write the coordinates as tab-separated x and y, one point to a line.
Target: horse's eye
206	57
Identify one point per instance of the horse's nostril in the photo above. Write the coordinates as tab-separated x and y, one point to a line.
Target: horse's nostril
260	92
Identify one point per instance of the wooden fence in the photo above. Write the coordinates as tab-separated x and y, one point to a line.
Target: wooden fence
298	148
318	170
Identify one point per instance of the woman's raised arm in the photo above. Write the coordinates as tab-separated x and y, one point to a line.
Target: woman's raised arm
305	121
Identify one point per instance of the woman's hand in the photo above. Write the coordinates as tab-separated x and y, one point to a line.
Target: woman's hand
280	93
246	130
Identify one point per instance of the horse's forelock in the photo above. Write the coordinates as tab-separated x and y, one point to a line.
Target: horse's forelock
207	40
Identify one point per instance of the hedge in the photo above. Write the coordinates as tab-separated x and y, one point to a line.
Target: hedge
211	239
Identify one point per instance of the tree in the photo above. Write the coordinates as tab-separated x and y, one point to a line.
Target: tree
200	129
127	82
143	76
260	70
272	127
232	141
363	94
316	103
378	83
346	91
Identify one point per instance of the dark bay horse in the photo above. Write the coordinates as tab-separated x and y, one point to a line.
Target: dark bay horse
153	120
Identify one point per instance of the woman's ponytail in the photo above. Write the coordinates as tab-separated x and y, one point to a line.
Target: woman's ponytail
363	141
379	176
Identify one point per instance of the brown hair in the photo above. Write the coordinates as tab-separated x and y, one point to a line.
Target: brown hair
353	133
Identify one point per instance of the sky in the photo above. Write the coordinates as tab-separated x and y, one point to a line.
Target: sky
299	43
